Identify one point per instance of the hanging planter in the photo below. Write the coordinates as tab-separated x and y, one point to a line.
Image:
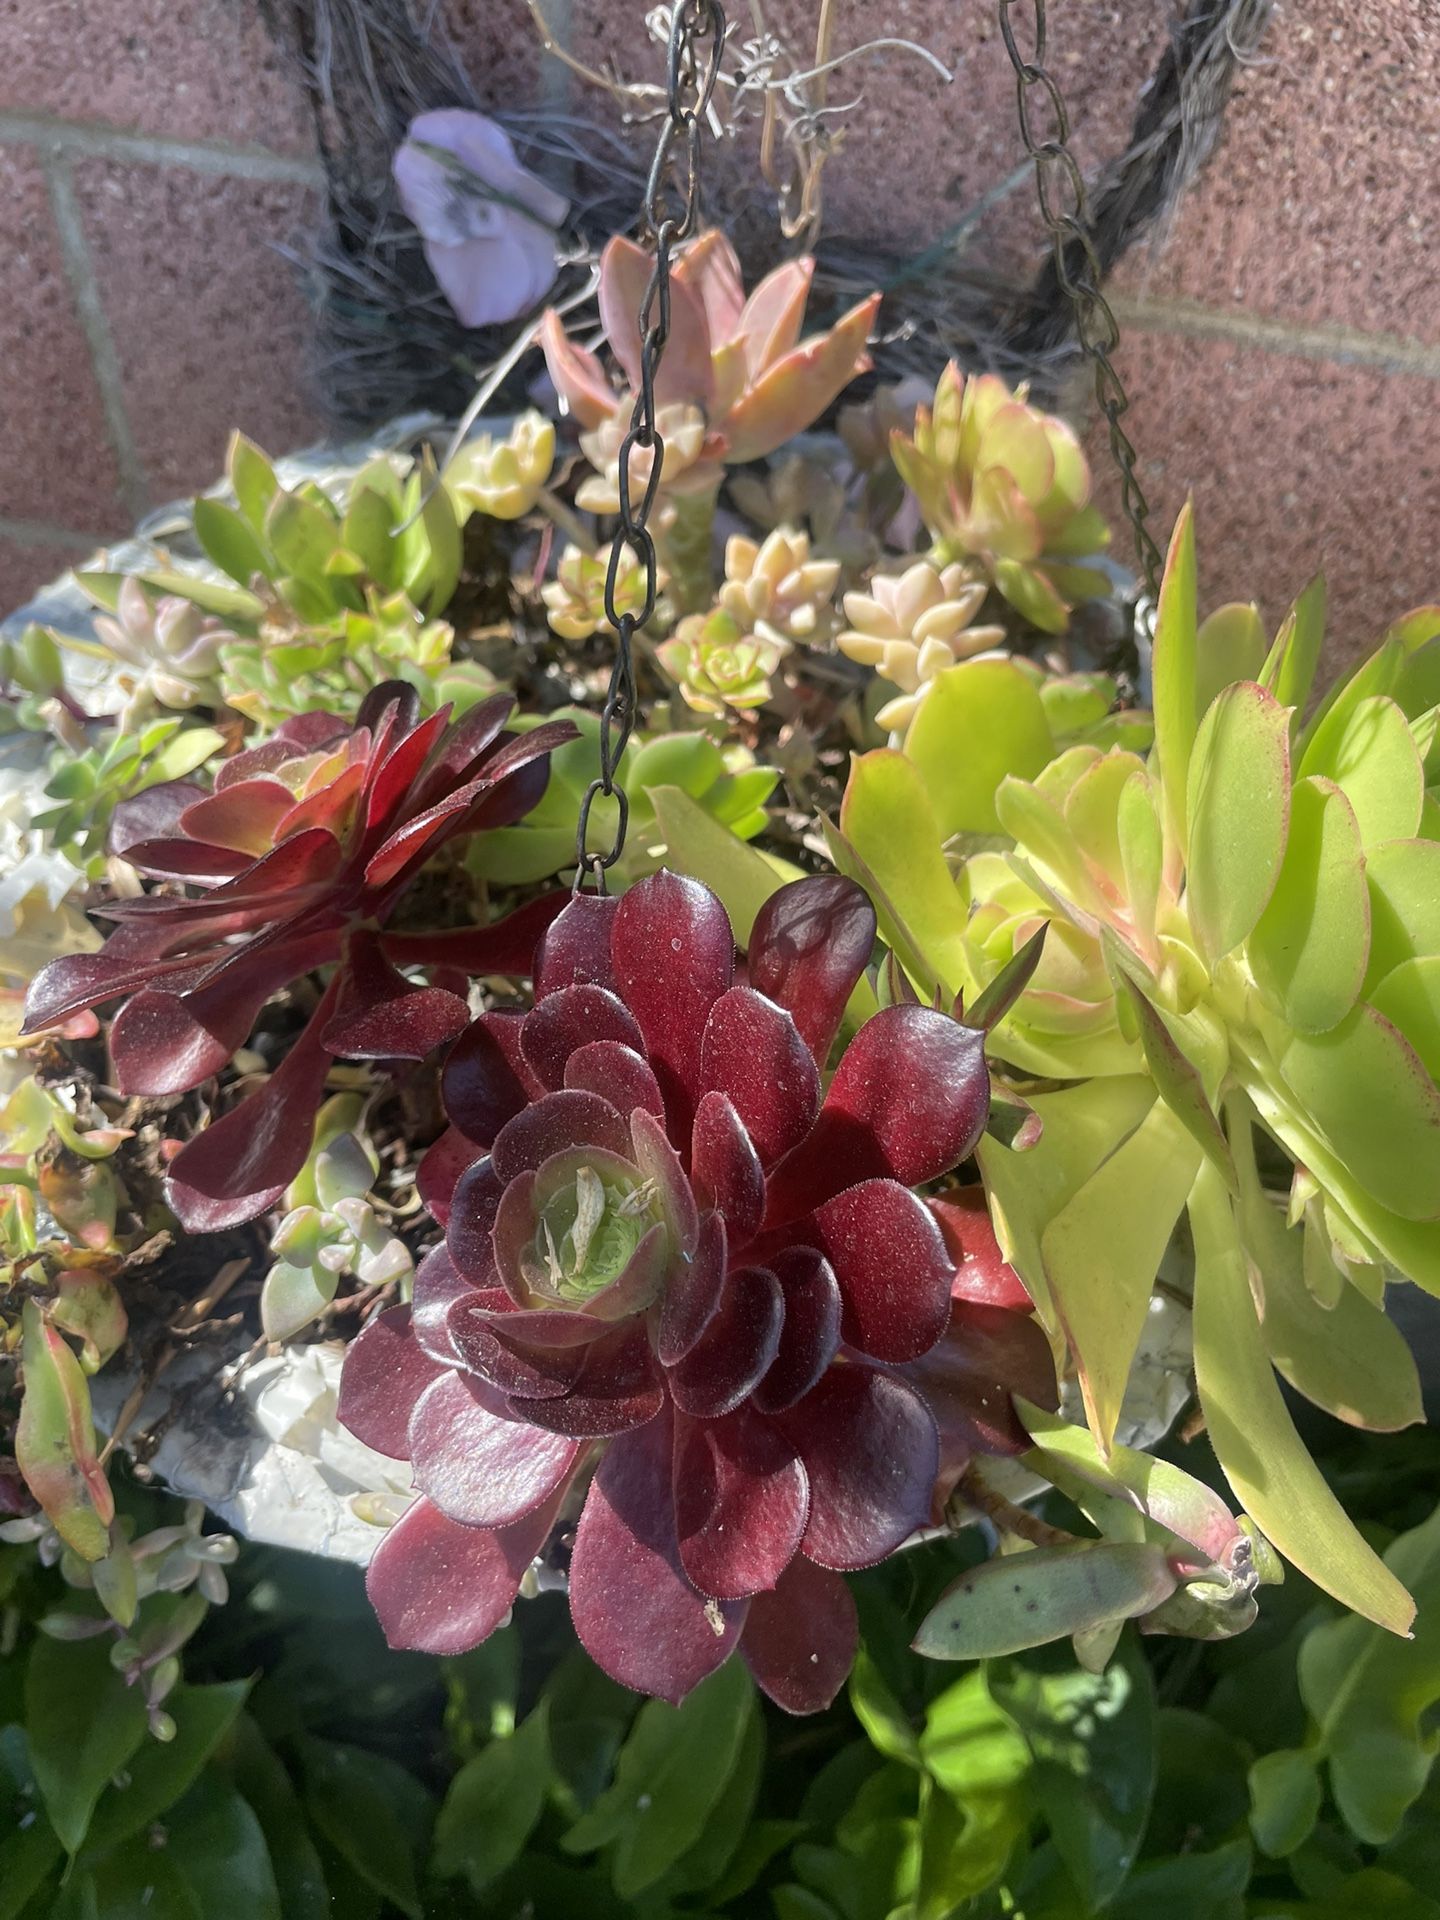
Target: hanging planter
711	1036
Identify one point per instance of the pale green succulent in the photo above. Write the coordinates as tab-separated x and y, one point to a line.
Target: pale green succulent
717	665
1235	1015
330	1229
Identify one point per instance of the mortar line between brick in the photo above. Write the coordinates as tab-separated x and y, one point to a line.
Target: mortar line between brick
43	533
1386	352
80	271
55	136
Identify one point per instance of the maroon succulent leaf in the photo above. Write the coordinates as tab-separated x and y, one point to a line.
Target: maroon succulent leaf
385	1372
300	854
673	1248
982	1273
968	1379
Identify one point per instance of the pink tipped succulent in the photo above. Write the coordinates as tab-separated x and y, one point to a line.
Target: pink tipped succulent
676	1260
300	855
737	368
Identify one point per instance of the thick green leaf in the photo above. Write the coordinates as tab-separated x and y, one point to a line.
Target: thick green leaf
1403	877
1373	1696
1020	1600
55	1440
367	530
492	1805
1373	758
1195	1886
211	596
970	1745
881	1714
887	818
741	875
252	479
964	1847
713	1858
1366	1091
1178	1082
1264	1458
1285	1797
270	1794
1230	645
1289	670
141	1882
1239	809
302	536
1034	821
230	541
1173	675
1103	1248
671	1774
980	721
1409	998
1201	1797
1142	854
83	1725
29	1849
161	1772
1310	947
371	1811
1093	1738
215	1841
1081	1127
190	748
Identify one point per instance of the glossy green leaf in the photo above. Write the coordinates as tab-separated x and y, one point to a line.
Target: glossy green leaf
302	536
1177	1081
887	818
1193	1886
1310	947
671	1774
1020	1600
1103	1248
713	1856
1403	878
1409	998
373	1814
1239	809
999	995
230	541
880	1713
1264	1459
1230	645
84	1724
1092	1736
740	874
964	1848
1081	1127
55	1445
1372	1696
1378	674
137	1883
980	721
160	1772
1037	825
493	1804
367	531
1285	1799
215	1841
435	587
1367	1092
1289	670
1373	758
969	1745
252	478
181	755
270	1794
1092	809
1173	675
1141	855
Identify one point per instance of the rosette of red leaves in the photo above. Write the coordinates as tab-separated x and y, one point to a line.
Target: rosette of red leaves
673	1250
298	858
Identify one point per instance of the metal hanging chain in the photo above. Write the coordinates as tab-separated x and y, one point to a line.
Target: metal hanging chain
1060	189
697	40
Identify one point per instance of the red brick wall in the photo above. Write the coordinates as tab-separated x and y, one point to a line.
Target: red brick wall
1283	345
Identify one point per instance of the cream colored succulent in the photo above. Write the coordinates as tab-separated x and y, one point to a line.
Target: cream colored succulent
168	651
775	589
575	598
681	427
504	478
717	665
909	626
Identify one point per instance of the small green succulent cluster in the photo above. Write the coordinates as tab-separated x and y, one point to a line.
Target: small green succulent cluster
87	783
1234	1017
330	1227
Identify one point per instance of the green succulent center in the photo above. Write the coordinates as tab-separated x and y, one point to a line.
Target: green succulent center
588	1230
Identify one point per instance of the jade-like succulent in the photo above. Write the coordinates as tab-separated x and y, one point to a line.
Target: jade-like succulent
1002	486
503	478
910	626
87	786
575	598
1236	1009
329	1228
718	665
776	590
168	650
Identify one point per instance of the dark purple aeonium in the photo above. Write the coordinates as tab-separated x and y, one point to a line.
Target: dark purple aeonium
299	856
667	1249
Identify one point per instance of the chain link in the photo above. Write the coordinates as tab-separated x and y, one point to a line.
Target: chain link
671	213
1060	190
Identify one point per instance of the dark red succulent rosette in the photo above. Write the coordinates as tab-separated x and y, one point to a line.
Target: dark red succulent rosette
670	1248
298	858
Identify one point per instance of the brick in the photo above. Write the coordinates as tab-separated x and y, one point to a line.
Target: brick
209	323
25	568
55	457
499	48
192	69
1296	466
1317	205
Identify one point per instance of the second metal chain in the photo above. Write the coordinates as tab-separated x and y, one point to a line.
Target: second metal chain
1060	189
697	40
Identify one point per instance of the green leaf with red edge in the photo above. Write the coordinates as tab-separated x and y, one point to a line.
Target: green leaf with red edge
999	996
1230	645
981	720
1309	948
1238	807
1402	878
1173	675
1178	1082
887	818
1263	1457
1289	669
1370	752
55	1440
